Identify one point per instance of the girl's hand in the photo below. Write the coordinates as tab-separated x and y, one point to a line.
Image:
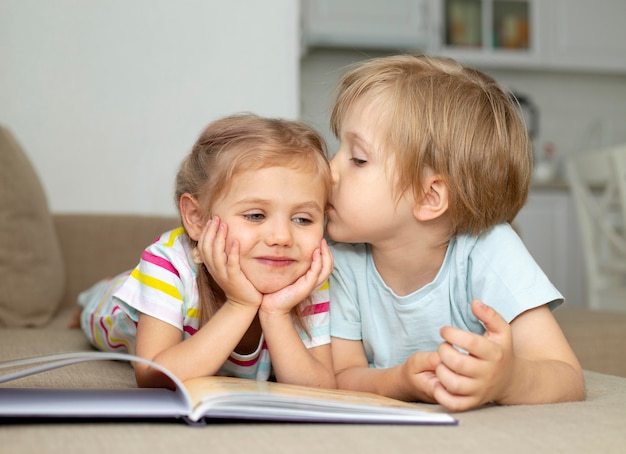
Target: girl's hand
282	301
224	265
483	373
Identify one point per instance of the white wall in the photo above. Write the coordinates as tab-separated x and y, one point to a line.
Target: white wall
107	96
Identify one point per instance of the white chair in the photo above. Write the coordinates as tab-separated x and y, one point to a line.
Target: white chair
598	183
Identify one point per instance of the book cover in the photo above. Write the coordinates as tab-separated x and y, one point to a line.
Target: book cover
199	400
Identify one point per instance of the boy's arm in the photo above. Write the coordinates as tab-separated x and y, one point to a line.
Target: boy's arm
414	380
526	362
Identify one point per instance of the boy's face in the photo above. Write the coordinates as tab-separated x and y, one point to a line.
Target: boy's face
277	216
364	204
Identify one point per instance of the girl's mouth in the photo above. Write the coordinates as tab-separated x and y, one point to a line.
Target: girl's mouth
276	261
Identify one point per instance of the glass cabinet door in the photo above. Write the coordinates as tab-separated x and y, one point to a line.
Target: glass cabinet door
487	24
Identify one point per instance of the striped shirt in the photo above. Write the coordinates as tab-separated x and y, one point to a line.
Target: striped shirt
163	285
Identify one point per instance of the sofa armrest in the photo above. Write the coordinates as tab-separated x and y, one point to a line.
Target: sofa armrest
95	246
597	337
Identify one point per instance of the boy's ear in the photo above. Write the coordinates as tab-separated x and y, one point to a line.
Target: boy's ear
191	215
434	202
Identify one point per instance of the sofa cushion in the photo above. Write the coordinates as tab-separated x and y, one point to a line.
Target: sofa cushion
32	276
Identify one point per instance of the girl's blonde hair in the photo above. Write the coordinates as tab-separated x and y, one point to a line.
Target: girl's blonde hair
237	144
453	119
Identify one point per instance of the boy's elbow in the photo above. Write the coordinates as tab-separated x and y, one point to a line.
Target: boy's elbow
578	393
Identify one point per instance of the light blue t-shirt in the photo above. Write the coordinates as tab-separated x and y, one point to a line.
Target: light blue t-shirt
494	267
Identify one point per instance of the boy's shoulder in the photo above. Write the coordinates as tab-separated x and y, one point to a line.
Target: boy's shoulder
348	252
499	241
347	248
494	235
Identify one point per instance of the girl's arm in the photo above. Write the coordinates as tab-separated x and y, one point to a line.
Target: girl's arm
526	362
292	361
200	355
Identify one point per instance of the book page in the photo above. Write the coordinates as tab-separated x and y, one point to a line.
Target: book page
250	399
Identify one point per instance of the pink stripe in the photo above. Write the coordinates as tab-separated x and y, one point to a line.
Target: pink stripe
316	308
106	332
190	330
117	308
159	261
248	363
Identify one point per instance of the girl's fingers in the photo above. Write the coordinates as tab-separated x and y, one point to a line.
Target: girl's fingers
216	237
327	260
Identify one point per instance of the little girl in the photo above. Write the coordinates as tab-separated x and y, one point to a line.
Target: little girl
269	181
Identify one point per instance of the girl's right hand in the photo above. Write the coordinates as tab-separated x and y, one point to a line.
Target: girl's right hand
223	265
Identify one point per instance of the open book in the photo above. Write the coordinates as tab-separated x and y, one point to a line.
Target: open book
199	400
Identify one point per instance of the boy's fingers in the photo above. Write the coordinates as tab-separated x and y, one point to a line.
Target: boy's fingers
424	361
493	321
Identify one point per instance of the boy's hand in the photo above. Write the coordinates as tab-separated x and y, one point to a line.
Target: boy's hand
418	373
483	373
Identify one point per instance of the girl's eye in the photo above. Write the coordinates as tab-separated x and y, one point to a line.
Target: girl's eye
358	162
254	217
302	220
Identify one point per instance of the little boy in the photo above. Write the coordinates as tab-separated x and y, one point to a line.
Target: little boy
434	297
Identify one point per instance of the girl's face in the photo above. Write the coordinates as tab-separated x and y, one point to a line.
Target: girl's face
364	205
277	216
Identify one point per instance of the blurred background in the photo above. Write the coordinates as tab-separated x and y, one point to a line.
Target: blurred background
107	96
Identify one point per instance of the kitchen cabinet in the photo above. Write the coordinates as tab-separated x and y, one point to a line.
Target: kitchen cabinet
586	35
374	24
555	35
549	228
487	32
547	35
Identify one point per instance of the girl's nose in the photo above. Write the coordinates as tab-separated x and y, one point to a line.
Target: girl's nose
279	233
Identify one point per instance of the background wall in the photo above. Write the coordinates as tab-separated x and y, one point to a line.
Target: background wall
107	96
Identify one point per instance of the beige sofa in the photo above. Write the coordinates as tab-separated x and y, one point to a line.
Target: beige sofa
35	311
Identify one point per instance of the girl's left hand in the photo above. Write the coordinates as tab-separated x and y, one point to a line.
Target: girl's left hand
285	299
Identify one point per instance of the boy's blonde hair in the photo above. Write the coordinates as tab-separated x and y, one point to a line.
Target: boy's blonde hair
241	143
453	119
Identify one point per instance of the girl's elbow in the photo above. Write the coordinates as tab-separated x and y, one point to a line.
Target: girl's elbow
148	377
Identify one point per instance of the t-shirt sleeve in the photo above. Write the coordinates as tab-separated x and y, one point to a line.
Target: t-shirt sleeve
155	286
345	315
504	275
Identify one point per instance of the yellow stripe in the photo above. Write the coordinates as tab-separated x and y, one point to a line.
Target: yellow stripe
324	286
173	235
115	340
156	284
192	312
